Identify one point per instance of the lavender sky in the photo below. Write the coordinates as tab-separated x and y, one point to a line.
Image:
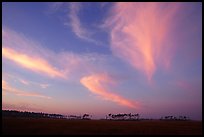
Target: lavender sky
100	58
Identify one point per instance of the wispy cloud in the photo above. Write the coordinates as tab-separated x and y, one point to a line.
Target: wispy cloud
7	88
44	61
36	64
25	82
75	21
31	55
76	25
97	84
44	85
138	34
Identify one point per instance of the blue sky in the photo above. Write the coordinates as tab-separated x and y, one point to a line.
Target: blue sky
100	58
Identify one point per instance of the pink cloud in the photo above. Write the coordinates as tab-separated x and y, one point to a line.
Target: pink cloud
97	84
138	34
6	88
36	64
25	82
31	55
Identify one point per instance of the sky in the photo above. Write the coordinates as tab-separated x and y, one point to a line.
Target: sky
101	57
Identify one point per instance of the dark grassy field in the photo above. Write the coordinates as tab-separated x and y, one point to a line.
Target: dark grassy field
62	126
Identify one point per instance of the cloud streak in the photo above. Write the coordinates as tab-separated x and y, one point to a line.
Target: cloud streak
25	82
138	34
7	88
43	61
31	55
97	84
75	21
36	64
77	26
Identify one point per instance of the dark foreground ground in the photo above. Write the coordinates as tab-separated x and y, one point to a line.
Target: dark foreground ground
62	126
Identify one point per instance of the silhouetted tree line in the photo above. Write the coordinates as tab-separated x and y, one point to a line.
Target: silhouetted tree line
14	113
123	116
128	116
179	118
84	117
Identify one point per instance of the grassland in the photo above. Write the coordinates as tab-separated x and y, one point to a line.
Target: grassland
40	126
